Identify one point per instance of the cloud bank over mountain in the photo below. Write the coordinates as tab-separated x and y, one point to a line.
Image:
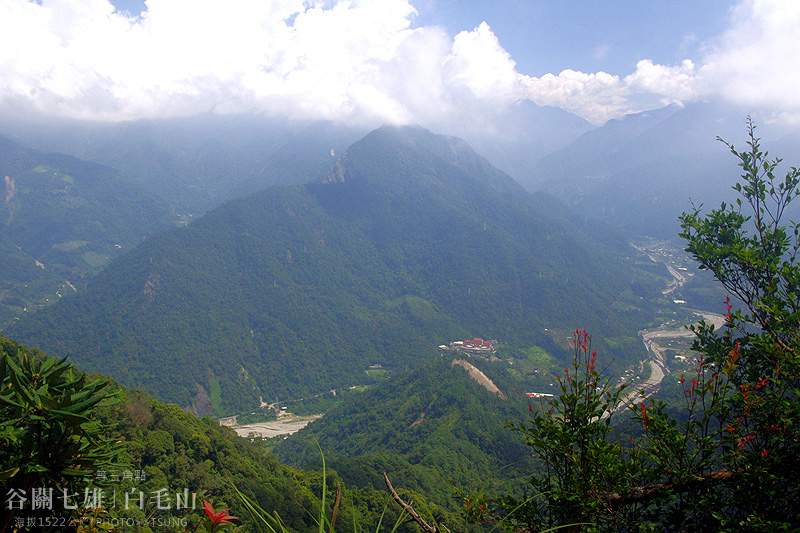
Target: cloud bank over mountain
358	61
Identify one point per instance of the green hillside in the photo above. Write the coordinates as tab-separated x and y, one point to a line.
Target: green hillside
410	241
61	221
430	428
159	448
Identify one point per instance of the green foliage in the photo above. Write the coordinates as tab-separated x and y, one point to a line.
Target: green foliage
134	445
63	220
49	430
756	358
431	430
176	451
537	357
729	460
571	436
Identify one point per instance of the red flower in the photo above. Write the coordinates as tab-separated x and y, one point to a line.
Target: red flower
217	518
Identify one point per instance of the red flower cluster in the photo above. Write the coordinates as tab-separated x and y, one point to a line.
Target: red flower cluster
727	307
745	440
217	518
581	339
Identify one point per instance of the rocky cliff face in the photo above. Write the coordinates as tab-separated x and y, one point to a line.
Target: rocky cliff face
11	188
339	172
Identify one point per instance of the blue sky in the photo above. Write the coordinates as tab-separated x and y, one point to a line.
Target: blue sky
432	62
587	35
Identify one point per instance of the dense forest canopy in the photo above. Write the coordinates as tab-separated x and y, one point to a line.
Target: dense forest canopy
412	240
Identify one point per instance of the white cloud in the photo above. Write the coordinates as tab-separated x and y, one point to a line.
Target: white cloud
755	62
350	60
596	96
600	96
479	63
674	83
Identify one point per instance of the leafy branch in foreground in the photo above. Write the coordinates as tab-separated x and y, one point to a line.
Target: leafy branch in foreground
49	438
757	354
571	436
729	458
271	522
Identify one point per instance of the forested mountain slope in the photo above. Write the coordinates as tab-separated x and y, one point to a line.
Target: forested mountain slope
411	240
62	220
428	428
153	448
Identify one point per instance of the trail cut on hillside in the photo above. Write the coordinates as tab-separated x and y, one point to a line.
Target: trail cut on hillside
480	377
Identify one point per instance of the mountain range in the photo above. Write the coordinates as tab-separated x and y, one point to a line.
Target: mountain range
199	162
640	172
62	220
410	240
224	267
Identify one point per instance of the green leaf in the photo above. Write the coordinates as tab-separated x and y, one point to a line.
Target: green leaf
8	474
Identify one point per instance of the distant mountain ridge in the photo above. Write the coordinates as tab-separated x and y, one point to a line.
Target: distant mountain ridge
199	162
524	135
639	173
297	289
61	221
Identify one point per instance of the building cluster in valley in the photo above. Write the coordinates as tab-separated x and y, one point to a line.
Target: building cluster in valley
474	346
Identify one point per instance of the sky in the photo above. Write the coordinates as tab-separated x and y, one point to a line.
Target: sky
430	62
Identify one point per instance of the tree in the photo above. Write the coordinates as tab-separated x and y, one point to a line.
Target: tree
757	355
49	439
729	459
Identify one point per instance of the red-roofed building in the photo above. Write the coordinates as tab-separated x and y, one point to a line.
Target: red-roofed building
476	345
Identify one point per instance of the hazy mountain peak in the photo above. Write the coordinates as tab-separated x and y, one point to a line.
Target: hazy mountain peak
402	160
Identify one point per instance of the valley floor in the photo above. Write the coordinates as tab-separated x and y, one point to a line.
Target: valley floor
285	425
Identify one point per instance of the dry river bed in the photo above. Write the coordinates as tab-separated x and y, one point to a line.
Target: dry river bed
284	425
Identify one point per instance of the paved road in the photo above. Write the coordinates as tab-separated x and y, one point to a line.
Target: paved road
678	281
658	358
